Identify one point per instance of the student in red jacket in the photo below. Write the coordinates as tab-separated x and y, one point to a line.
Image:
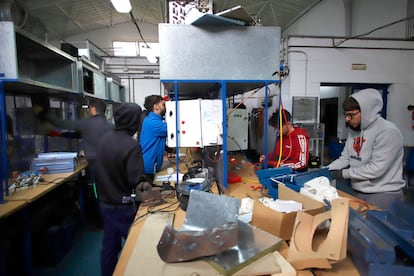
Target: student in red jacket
294	152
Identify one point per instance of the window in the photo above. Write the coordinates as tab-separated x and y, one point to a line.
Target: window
125	49
149	50
132	49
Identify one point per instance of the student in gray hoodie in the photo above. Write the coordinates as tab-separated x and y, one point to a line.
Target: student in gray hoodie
373	154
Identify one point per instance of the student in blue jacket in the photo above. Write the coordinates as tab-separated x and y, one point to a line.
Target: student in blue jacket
153	135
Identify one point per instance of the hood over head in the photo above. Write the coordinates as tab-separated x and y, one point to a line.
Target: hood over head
370	102
128	117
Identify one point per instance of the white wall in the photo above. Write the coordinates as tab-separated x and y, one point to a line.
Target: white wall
314	60
370	14
327	64
310	64
140	88
328	18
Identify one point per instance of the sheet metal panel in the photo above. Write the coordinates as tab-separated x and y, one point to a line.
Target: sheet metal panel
8	57
218	52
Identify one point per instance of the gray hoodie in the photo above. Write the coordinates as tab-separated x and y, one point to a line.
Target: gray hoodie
372	158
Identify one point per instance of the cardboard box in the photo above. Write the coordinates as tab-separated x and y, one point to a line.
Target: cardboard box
281	224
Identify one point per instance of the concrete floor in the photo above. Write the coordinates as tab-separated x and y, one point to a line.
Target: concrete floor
82	259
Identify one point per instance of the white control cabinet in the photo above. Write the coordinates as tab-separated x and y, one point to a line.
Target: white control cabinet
237	129
199	123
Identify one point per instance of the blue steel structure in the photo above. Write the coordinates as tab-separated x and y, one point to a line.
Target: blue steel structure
382	242
3	158
223	84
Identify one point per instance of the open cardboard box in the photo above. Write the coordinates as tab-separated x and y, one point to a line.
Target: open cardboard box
281	224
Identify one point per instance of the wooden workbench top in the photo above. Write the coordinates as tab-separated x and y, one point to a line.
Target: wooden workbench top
245	188
20	198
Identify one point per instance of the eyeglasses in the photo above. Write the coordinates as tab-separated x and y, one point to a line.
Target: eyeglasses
351	115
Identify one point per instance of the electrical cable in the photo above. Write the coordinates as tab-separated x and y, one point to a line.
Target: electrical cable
280	137
289	136
374	30
149	211
251	180
94	190
282	118
137	26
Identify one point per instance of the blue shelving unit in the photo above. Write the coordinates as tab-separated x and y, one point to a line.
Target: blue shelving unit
3	157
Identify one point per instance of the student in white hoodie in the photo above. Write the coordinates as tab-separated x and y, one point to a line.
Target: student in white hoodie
373	154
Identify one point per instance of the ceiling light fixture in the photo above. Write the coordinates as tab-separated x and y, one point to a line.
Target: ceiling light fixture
122	6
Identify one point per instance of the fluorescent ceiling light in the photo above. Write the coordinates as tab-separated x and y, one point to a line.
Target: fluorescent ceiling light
122	6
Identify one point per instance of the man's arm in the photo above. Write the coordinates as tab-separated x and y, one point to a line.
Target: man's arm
65	124
299	156
343	160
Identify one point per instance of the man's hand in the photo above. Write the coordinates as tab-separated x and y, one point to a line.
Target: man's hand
37	109
261	158
336	174
144	186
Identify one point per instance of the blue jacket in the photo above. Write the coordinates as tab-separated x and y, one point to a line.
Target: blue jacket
152	138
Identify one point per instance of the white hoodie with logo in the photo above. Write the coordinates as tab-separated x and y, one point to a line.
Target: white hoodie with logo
372	158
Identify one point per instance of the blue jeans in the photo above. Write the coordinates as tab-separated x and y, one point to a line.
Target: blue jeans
117	221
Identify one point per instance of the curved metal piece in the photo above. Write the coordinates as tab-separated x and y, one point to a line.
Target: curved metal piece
179	246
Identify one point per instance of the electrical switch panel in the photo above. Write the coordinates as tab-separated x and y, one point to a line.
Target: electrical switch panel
237	129
197	123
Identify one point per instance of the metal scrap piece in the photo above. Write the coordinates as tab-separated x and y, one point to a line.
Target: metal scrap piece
210	228
206	210
179	246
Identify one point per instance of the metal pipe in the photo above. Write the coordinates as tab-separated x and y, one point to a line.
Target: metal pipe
306	67
348	17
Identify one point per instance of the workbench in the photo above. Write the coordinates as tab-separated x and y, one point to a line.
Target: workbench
48	183
17	205
239	190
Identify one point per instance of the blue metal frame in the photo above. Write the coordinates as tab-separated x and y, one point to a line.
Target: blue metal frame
223	84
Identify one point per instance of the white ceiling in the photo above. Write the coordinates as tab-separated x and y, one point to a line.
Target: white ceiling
63	18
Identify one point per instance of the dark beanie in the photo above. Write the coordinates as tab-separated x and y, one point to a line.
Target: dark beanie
128	117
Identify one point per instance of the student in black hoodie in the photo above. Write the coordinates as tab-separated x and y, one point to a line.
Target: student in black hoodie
120	171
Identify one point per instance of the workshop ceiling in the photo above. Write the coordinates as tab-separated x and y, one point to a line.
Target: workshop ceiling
64	18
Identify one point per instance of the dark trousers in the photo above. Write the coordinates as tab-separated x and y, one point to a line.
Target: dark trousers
116	220
149	177
382	200
90	196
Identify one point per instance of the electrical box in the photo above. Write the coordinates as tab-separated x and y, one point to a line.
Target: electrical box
196	123
237	129
8	57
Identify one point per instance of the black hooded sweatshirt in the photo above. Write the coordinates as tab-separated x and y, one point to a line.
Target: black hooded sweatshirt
119	163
